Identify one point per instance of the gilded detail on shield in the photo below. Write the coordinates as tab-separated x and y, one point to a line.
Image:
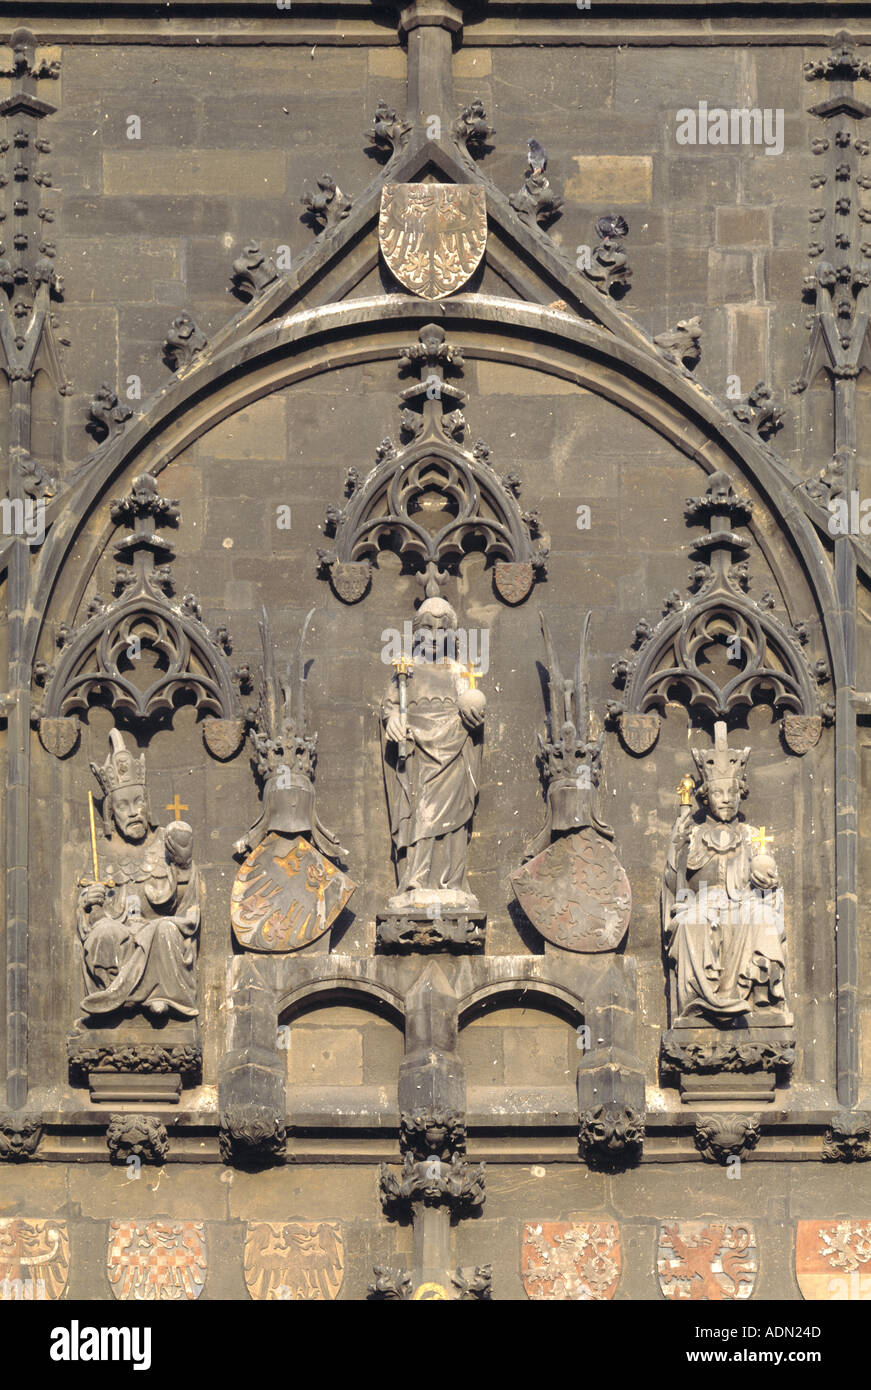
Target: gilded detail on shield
286	895
433	235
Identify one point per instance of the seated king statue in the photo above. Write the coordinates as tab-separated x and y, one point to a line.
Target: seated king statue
722	909
138	927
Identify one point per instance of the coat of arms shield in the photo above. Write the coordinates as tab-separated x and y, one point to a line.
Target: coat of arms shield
707	1261
34	1259
833	1260
159	1261
296	1260
576	893
433	235
570	1260
286	894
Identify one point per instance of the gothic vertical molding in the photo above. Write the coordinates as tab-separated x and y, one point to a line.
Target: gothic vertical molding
31	280
838	287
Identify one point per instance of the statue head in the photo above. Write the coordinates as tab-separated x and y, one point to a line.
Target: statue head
724	776
122	780
434	626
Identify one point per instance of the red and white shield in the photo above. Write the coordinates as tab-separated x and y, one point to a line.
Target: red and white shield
833	1260
157	1260
707	1261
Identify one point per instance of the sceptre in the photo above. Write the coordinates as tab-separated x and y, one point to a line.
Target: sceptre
404	667
107	883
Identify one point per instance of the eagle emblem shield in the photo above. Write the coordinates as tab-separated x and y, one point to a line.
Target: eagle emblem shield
570	1260
286	894
297	1260
707	1261
34	1259
433	235
161	1261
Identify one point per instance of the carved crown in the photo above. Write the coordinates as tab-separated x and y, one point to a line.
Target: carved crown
121	768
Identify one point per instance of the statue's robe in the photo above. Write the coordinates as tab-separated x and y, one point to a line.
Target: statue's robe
432	793
727	940
143	953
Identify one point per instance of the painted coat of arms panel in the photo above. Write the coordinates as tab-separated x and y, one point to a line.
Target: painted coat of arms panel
34	1259
433	235
300	1261
570	1260
707	1261
157	1261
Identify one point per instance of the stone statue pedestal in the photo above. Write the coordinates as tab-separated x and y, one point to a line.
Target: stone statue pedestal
422	929
740	1063
132	1060
431	919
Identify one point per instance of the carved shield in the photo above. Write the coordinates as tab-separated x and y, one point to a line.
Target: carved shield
432	235
161	1261
513	579
285	895
350	579
34	1258
802	731
296	1260
576	893
58	736
833	1260
224	737
713	1261
570	1260
639	732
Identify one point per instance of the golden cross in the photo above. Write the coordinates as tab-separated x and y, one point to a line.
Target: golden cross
472	676
176	806
404	665
761	839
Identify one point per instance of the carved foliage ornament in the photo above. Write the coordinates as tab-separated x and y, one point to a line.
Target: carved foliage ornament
251	1135
19	1135
98	661
671	659
432	502
137	1136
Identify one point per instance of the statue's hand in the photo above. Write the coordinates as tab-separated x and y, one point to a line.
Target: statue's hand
471	705
395	729
92	895
763	872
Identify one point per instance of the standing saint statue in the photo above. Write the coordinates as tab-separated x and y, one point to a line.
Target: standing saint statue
722	901
432	723
138	924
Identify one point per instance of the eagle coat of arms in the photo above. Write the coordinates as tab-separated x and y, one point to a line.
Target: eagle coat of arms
296	1260
433	235
34	1259
160	1261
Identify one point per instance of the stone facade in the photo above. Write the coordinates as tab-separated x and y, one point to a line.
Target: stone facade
260	438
